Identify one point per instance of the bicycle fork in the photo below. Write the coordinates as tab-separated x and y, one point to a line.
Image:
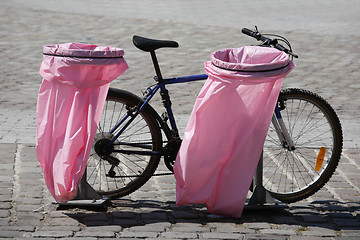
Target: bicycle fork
281	130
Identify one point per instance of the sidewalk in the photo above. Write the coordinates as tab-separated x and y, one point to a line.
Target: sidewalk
328	65
26	209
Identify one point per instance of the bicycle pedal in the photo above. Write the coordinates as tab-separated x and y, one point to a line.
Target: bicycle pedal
164	116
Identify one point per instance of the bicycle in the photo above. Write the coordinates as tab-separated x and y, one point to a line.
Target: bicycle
305	134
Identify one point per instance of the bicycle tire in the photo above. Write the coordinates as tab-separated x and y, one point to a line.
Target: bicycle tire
290	175
121	174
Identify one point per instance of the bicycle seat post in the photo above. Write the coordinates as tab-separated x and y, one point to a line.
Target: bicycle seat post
164	93
156	65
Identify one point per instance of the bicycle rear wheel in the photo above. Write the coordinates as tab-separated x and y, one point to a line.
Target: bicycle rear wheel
116	174
289	174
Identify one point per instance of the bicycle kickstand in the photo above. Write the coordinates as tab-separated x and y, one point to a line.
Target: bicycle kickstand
261	198
86	196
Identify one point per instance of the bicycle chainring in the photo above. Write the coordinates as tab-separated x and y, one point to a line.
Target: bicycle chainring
170	152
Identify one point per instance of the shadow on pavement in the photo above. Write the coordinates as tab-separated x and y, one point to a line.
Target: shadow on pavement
126	213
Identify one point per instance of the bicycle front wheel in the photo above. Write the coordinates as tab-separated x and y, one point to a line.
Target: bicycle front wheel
290	174
131	160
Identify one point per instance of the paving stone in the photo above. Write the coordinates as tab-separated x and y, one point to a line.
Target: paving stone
96	217
27	208
184	215
303	209
5	198
4	222
346	192
30	215
327	207
11	234
18	228
257	225
124	215
5	205
265	237
347	222
187	224
313	218
5	191
58	214
179	235
59	228
4	213
29	201
83	238
64	222
28	222
146	195
285	220
350	233
351	198
353	176
158	238
214	235
5	178
138	234
319	233
234	230
96	223
341	215
30	193
284	232
112	228
290	227
154	215
160	225
126	222
148	228
305	238
55	234
346	238
221	225
190	229
103	233
6	185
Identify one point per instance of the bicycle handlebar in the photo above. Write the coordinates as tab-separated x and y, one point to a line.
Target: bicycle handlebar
268	41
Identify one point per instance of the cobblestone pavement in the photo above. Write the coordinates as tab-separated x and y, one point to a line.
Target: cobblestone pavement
324	37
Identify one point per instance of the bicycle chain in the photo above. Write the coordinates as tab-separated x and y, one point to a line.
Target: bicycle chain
151	175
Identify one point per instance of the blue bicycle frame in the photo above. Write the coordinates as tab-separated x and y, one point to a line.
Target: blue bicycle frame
146	99
151	91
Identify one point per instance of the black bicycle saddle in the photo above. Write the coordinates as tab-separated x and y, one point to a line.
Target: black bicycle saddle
148	45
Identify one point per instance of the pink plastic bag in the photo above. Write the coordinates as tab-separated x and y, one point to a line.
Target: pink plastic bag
227	128
70	102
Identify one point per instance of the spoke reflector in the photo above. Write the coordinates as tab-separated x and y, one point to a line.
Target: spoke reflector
320	159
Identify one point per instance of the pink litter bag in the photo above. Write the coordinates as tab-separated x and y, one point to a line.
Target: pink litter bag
227	128
76	79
